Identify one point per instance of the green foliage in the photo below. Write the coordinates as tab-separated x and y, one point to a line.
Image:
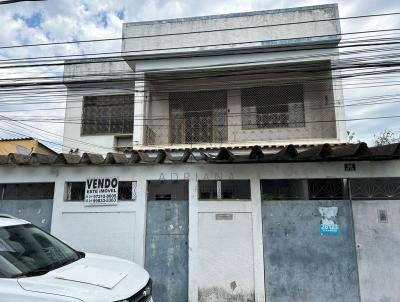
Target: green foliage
387	137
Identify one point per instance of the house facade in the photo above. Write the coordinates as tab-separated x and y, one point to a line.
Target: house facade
226	137
247	79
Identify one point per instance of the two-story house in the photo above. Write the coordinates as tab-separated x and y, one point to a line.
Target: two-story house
261	78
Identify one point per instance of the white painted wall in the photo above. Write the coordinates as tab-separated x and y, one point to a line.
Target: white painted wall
116	236
128	218
378	246
73	138
183	34
226	264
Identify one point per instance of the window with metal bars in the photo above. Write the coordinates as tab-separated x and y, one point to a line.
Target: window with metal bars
198	117
375	188
273	107
107	114
75	191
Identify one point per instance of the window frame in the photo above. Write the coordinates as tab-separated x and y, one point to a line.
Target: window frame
67	183
254	110
89	98
223	199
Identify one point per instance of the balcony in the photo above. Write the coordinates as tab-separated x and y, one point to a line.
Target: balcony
232	108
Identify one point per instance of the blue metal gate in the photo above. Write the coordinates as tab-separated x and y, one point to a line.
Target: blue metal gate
300	263
167	227
38	212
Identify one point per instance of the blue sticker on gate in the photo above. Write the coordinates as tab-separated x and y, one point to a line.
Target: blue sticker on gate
328	222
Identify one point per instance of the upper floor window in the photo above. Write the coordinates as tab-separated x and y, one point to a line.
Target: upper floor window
198	117
273	107
109	114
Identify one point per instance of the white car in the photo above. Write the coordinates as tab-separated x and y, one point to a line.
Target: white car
35	266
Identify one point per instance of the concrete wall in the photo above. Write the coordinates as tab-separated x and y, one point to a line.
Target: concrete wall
378	246
128	219
226	262
90	78
184	35
102	143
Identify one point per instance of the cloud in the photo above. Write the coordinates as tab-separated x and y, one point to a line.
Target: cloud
51	21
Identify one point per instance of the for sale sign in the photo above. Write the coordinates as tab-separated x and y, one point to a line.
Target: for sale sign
101	191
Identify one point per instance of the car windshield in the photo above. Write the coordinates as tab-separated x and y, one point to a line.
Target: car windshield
26	250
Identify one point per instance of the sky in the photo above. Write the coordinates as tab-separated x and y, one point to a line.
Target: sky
73	20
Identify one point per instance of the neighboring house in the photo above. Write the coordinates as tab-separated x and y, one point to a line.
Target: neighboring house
24	146
226	138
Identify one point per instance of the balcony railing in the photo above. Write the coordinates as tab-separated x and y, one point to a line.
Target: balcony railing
221	127
189	130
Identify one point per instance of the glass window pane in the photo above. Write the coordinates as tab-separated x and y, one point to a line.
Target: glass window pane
230	189
125	190
75	191
207	189
235	189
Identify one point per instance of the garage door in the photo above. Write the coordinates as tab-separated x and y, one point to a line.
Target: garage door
309	249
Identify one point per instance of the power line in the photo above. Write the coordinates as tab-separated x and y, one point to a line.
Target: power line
202	31
131	52
132	74
2	2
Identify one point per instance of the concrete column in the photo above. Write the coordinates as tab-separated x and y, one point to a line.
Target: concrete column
341	130
193	240
56	217
259	287
141	212
139	110
234	119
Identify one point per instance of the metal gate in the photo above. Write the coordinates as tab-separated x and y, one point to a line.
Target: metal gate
32	202
300	263
167	240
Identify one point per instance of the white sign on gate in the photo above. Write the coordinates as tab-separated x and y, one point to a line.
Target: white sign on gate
101	191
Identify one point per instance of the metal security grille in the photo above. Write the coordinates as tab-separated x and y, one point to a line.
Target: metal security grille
107	114
326	189
375	188
75	191
273	107
198	117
